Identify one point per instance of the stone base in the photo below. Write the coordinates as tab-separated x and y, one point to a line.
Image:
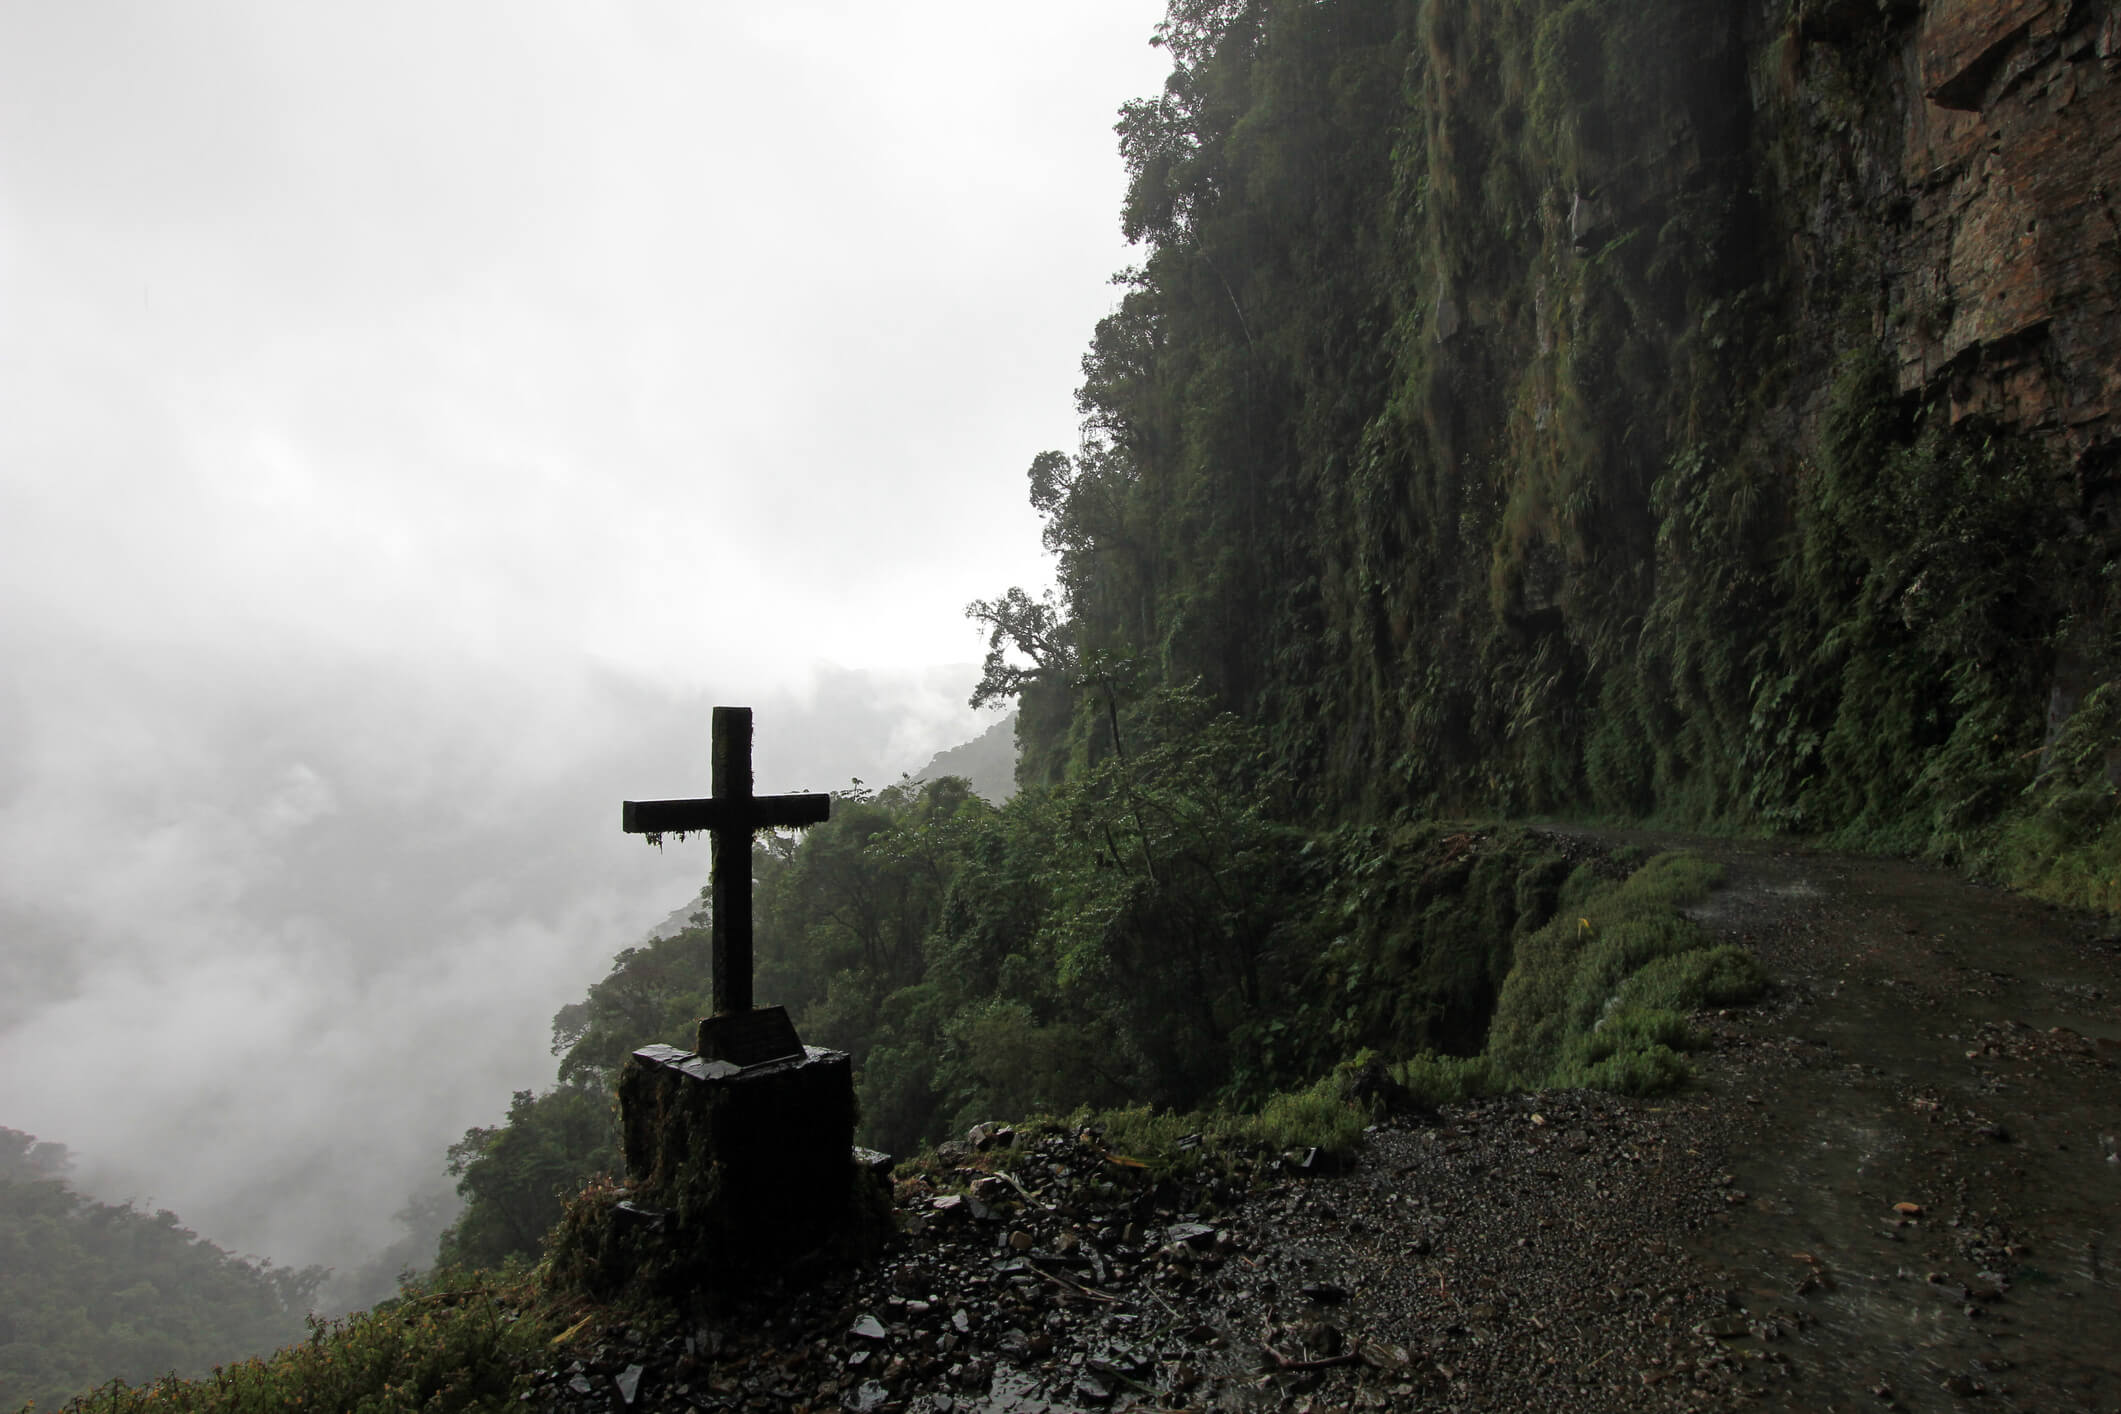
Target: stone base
753	1165
749	1037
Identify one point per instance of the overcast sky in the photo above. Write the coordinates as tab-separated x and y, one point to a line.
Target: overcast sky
413	417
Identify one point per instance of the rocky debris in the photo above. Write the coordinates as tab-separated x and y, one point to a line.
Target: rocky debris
1485	1261
2016	1040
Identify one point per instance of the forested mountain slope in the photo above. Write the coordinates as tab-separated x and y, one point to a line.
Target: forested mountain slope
1702	410
987	762
92	1290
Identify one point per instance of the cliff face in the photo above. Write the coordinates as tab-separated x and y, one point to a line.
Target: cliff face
1663	407
2001	274
2006	266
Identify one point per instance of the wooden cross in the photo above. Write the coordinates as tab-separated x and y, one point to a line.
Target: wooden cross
731	816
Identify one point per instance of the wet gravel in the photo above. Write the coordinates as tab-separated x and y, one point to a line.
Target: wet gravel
1831	1218
1512	1254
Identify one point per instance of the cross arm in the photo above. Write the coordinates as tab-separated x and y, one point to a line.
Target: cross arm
759	812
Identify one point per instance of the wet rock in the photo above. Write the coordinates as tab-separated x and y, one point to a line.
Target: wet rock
1120	1362
866	1398
1589	218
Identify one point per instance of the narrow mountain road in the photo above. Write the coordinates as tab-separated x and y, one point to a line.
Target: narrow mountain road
1896	1186
1933	1108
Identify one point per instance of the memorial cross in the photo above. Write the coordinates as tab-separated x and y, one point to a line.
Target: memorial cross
730	816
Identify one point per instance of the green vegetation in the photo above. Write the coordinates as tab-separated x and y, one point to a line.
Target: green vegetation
458	1344
1147	945
2066	843
515	1176
1469	427
90	1290
1467	441
1599	995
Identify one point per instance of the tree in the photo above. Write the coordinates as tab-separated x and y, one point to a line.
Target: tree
652	993
1033	628
516	1176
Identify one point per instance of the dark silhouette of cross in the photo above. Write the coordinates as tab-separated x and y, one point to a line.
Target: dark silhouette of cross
731	816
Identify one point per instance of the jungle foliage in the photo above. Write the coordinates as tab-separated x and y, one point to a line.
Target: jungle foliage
1149	940
1466	425
91	1291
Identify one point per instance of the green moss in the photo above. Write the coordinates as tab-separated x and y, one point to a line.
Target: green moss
1608	980
1722	975
1649	1071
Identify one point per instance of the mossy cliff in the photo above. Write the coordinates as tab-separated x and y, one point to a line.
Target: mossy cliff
1696	410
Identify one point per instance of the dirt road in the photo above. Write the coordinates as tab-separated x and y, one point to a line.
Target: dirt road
1895	1186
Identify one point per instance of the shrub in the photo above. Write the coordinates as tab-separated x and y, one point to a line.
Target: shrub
455	1344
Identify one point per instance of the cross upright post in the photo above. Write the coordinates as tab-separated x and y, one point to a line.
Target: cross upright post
731	816
729	860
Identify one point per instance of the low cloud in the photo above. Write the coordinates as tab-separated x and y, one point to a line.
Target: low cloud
265	983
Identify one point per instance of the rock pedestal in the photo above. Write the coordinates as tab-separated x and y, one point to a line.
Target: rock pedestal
745	1169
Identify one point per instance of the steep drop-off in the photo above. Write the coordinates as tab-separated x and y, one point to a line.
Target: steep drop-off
1705	410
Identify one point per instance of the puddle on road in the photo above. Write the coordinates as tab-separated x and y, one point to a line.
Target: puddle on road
1919	1009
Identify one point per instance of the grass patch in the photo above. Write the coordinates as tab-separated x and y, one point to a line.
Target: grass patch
1722	975
1327	1115
1433	1080
1598	997
1323	1115
457	1343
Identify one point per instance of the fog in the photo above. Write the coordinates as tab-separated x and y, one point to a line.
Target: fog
413	419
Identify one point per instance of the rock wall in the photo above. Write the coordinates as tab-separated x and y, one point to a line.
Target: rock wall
1969	148
2008	263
